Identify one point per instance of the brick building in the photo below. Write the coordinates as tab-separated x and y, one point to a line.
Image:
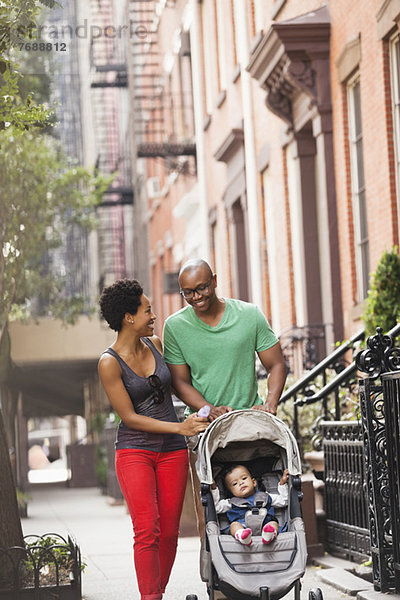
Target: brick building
294	191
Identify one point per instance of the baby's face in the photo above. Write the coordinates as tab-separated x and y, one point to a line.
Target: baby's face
240	483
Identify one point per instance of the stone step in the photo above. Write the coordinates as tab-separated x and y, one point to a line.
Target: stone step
344	581
373	595
327	561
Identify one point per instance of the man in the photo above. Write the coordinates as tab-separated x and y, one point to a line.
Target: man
210	346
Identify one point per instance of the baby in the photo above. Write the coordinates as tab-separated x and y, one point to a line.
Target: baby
243	488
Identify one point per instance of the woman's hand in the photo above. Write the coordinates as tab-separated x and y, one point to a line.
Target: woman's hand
193	425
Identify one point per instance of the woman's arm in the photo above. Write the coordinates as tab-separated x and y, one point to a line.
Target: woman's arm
110	376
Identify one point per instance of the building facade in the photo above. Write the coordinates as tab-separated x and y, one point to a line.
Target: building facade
294	193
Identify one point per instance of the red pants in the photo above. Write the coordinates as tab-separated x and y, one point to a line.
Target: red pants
153	485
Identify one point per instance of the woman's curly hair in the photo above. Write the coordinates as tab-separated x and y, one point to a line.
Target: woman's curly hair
122	297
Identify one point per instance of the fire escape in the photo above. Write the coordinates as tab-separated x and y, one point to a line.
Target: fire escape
153	103
109	97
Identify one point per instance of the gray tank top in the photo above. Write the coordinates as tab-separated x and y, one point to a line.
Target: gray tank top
142	396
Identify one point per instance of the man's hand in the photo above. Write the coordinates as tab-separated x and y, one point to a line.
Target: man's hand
217	411
265	408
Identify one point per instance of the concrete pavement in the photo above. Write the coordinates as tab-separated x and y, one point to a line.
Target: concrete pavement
103	532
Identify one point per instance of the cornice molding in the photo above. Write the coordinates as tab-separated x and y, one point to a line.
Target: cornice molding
290	59
230	145
388	17
349	59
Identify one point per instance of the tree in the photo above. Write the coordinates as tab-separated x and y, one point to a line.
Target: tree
40	197
10	524
17	22
383	301
41	194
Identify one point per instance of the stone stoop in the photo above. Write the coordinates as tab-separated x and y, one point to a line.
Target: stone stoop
345	581
349	577
373	595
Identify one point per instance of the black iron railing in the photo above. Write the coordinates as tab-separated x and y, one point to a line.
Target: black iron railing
49	566
323	385
346	507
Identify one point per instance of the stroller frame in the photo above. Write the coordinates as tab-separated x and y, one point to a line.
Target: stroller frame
256	571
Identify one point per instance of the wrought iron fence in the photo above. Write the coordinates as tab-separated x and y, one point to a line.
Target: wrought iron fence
357	514
380	407
48	567
346	506
303	347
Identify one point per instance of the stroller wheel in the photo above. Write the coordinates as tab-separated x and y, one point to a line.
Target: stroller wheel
191	597
315	594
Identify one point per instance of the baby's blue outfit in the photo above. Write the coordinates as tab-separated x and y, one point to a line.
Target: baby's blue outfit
241	505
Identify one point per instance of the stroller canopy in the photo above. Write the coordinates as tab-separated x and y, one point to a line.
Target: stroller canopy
260	430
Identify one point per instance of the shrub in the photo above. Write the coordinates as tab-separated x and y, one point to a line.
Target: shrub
383	301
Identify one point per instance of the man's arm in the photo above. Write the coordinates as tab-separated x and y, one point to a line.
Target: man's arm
274	363
182	384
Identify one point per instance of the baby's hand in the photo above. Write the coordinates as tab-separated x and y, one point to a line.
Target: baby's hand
285	477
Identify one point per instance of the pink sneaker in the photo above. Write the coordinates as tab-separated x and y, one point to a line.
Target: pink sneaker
268	533
244	536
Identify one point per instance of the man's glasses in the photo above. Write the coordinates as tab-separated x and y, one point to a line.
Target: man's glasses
200	289
155	383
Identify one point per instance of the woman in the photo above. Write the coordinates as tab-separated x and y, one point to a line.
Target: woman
151	454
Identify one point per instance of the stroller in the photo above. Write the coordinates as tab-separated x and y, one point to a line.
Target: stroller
265	445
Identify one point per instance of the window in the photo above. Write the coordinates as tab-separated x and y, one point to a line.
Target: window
297	233
358	187
235	60
272	250
207	58
219	11
395	84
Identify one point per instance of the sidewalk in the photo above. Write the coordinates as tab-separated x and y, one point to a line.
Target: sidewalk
103	532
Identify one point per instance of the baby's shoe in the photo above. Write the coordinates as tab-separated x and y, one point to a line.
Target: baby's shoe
244	536
268	533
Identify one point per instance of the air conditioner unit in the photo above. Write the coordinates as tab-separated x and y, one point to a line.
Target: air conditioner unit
153	187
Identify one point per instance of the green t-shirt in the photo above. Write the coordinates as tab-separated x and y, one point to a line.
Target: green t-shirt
222	358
